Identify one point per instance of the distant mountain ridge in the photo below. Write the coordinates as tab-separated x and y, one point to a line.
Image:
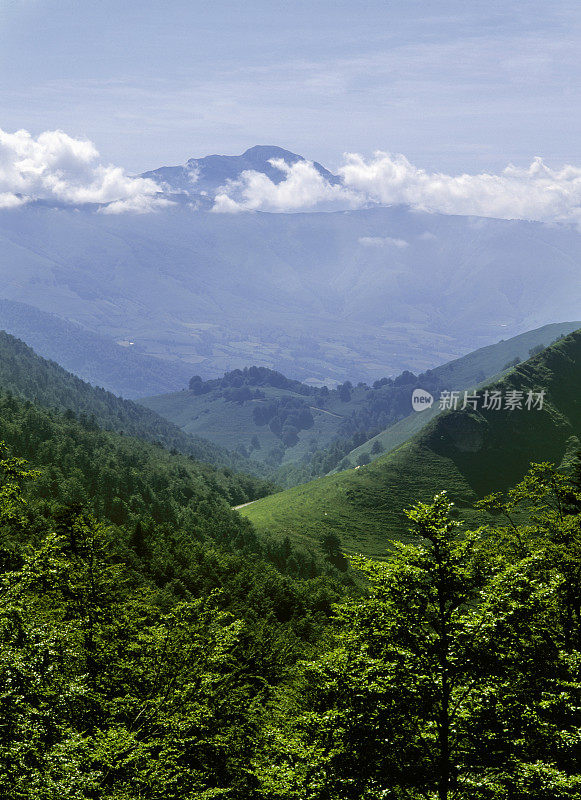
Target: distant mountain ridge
320	297
202	177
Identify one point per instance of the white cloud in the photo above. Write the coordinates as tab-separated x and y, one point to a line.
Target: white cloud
56	167
59	168
382	241
536	192
194	174
9	200
303	188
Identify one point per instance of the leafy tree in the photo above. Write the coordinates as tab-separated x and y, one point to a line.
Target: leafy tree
112	689
331	544
332	548
549	503
451	680
289	435
344	391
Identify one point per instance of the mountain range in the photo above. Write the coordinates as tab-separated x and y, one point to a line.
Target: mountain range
322	297
121	368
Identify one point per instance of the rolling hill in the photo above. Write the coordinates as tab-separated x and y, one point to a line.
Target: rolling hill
249	421
466	373
228	415
469	453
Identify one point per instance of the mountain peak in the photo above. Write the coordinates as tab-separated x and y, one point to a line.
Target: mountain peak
206	175
264	152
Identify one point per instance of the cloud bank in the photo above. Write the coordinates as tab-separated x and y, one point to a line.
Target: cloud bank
58	168
536	192
303	188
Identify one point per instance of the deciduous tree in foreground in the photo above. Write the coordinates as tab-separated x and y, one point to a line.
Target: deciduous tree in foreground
457	676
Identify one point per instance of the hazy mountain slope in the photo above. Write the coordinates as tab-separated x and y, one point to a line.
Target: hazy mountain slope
94	358
468	453
45	383
318	296
228	418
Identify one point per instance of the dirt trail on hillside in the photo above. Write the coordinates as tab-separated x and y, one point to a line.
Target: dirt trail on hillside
324	411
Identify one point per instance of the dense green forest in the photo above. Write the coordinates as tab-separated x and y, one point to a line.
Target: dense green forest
140	486
30	377
153	646
456	675
452	672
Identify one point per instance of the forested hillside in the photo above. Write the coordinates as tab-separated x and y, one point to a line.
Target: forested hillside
168	668
130	551
172	614
469	452
98	359
30	377
299	431
154	646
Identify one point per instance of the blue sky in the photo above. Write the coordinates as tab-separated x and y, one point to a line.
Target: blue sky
455	86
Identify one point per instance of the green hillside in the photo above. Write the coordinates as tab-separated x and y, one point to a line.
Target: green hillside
260	412
28	376
227	411
120	478
390	438
123	370
142	621
467	373
488	361
468	453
